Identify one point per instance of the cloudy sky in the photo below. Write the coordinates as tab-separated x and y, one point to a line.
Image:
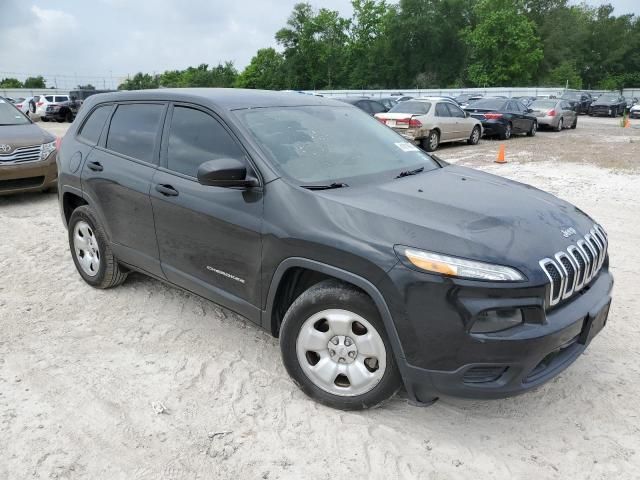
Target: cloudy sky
80	41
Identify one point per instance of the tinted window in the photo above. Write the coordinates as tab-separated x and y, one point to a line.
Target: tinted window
93	126
377	107
61	98
442	110
133	130
49	98
416	108
455	111
364	105
196	137
540	104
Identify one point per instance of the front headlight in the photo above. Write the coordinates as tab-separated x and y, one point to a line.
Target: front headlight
47	149
458	267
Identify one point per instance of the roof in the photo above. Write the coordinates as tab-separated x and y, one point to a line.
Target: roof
225	98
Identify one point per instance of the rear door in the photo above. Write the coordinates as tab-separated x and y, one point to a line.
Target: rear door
210	238
445	121
116	178
462	125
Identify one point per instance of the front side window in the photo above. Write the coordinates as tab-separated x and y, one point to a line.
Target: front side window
133	130
325	144
92	128
196	137
48	98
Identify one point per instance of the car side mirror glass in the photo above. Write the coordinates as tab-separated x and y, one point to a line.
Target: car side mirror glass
226	172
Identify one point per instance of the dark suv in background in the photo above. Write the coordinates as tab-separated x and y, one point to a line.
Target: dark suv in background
376	264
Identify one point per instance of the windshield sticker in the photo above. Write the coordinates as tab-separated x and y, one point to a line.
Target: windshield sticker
407	147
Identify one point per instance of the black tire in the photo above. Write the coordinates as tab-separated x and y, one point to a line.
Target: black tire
431	143
474	138
68	117
533	130
44	119
575	123
614	112
560	125
109	274
60	120
508	130
333	294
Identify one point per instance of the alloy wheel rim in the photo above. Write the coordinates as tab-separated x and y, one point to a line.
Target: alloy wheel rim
507	131
433	140
86	248
475	136
341	352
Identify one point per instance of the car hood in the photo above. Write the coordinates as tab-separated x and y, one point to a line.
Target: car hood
23	135
464	212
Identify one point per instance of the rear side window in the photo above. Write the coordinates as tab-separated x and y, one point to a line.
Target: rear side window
48	98
376	107
134	129
196	137
442	110
455	111
92	128
61	98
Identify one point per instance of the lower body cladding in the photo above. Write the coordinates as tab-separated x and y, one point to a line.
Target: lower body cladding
449	351
29	176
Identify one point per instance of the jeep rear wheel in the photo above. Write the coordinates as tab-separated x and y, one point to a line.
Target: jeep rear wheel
91	251
335	348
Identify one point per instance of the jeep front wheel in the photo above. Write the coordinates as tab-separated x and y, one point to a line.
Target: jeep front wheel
334	347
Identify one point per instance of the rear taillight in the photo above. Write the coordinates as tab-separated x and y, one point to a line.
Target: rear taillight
39	104
18	105
382	120
412	122
58	142
492	116
551	113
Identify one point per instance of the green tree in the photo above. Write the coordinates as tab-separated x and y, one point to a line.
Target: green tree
504	47
140	81
10	83
35	82
565	74
266	71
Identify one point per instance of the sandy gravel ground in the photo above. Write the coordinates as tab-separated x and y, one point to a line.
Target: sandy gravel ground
80	369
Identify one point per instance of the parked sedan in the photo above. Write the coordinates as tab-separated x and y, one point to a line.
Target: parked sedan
388	102
466	99
554	113
609	104
580	101
366	104
503	117
429	122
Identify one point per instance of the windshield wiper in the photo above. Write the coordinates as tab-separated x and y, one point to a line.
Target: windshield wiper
331	186
407	173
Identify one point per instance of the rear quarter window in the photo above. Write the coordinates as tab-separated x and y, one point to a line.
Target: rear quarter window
92	128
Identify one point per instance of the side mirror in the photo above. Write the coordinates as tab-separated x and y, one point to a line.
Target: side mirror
226	172
529	110
467	114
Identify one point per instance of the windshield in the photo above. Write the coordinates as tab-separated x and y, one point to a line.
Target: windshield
489	104
608	98
571	96
326	144
9	115
414	108
542	104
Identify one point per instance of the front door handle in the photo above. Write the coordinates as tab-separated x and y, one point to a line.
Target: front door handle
167	190
95	166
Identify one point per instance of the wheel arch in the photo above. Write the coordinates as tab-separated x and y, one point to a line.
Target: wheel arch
270	316
71	201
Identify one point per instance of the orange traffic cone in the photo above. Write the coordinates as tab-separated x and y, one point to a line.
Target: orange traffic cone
627	123
500	158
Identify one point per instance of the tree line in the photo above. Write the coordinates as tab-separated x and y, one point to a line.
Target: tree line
434	44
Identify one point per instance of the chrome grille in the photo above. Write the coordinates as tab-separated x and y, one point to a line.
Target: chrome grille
22	155
571	270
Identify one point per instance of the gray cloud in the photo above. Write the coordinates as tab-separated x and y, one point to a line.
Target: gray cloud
75	41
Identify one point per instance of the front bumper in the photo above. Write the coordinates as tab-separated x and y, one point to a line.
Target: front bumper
443	357
29	177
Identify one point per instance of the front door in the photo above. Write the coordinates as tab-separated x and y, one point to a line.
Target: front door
209	237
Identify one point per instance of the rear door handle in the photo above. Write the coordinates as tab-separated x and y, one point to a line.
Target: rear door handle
167	190
95	166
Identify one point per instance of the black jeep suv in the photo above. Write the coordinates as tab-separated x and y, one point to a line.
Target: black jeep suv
376	264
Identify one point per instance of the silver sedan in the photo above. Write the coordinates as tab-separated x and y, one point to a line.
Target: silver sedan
554	113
